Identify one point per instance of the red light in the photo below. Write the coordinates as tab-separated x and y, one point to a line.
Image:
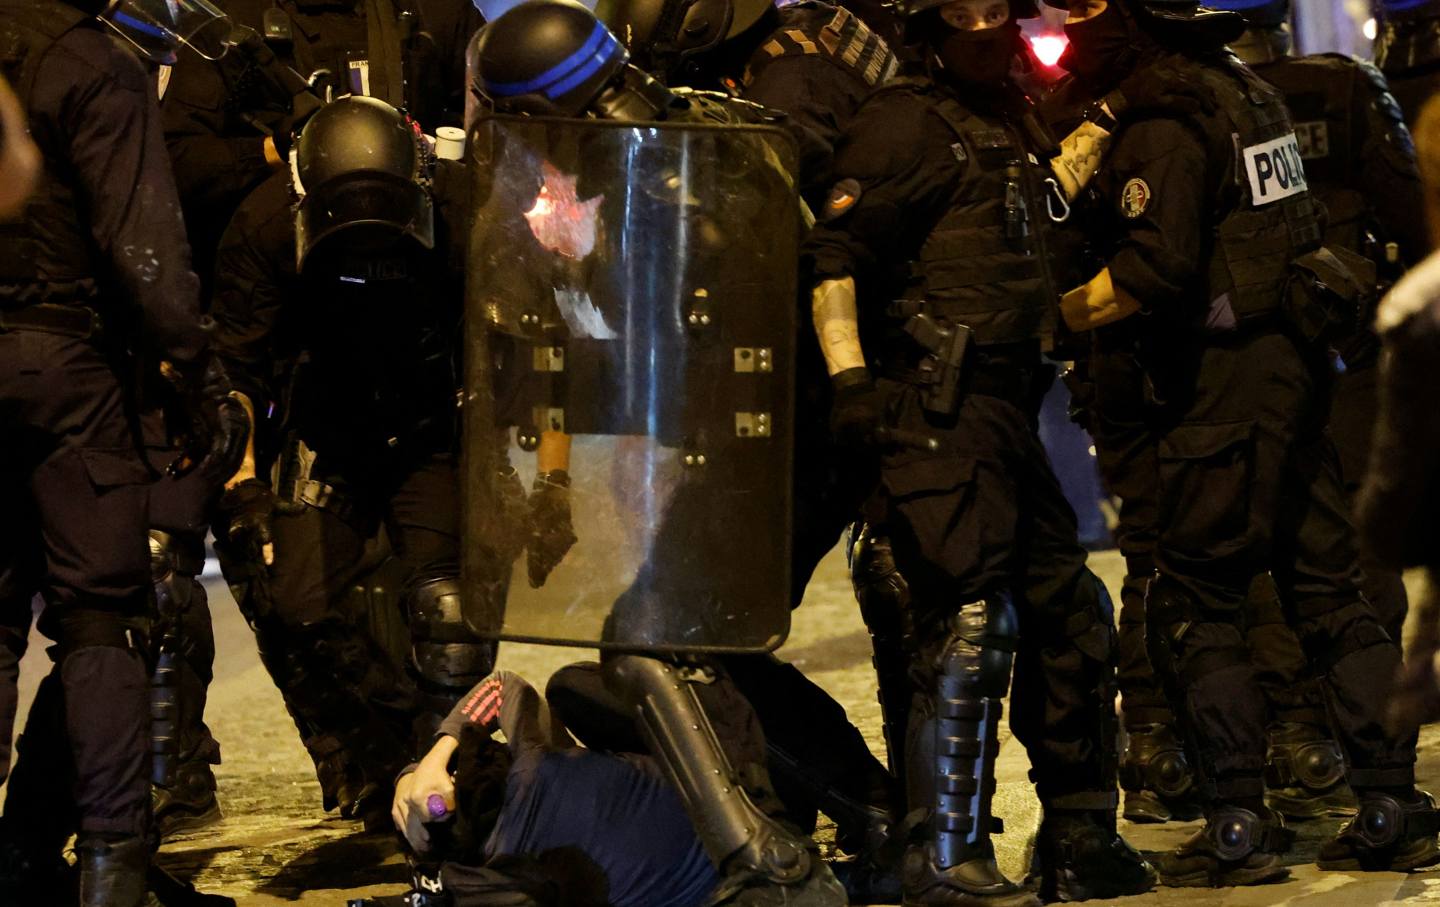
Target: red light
1048	48
560	220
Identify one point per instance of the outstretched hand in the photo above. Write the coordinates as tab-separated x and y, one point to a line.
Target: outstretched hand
412	809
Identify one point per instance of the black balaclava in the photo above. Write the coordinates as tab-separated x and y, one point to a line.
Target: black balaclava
981	57
1102	45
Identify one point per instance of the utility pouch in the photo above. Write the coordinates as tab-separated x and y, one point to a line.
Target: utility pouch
1329	294
947	345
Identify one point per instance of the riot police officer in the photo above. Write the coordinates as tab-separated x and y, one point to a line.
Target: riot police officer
1407	51
1233	388
949	251
1360	163
815	63
515	63
97	266
337	301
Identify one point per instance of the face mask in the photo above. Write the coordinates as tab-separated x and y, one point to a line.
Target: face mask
1098	44
980	57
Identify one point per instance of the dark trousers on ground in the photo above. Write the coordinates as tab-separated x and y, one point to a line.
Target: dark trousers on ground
73	495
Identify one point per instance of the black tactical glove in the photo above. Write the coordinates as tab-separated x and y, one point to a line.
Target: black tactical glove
551	532
251	509
857	415
1146	91
216	424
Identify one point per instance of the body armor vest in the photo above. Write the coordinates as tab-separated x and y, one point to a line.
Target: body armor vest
46	255
377	49
833	33
984	265
1320	92
1265	214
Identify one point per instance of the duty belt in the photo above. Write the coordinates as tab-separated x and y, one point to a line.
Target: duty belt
1008	383
67	320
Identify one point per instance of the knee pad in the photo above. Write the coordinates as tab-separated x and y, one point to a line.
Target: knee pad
882	591
1169	613
1349	629
1235	833
979	651
1316	765
1155	761
1091	624
174	564
446	653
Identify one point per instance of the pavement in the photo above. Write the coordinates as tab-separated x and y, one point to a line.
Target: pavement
275	846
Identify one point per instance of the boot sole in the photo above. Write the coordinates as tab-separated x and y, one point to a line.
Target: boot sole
1234	878
175	824
1066	890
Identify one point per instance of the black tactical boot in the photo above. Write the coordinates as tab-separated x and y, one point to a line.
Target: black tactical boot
1305	773
1158	780
1236	847
27	877
872	875
113	870
1079	856
1388	834
973	882
189	803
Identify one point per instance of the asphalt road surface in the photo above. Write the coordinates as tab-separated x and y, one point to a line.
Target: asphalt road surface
275	846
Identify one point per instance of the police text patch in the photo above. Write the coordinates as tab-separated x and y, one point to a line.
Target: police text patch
1275	169
1135	198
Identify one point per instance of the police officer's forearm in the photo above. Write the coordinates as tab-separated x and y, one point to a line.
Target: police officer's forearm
247	465
1079	159
837	324
1097	303
19	158
553	453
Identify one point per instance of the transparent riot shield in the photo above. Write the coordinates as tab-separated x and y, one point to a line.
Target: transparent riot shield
631	291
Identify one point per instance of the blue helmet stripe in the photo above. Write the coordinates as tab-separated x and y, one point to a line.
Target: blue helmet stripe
1400	6
599	49
144	28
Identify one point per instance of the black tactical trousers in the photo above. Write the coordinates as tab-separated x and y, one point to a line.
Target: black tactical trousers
1249	482
73	494
986	515
1126	428
1352	425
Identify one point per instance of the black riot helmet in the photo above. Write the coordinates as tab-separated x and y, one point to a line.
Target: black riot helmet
1183	22
664	35
1268	37
362	174
545	57
1391	10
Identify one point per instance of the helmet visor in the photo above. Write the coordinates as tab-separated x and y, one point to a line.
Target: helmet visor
365	213
157	28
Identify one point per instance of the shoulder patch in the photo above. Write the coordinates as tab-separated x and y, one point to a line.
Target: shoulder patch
1135	197
843	196
843	38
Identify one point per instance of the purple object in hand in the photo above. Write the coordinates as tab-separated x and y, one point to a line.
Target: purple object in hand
435	805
